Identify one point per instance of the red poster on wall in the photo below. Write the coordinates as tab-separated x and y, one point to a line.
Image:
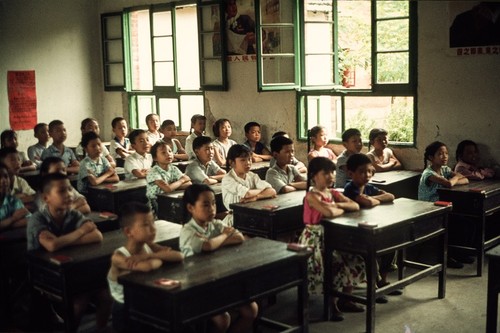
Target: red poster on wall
22	99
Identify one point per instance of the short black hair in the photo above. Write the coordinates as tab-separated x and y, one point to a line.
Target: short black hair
116	121
251	124
87	137
216	126
199	141
278	142
47	162
356	160
461	147
7	151
376	132
47	180
349	133
236	151
154	148
129	210
192	192
87	121
38	127
7	134
318	164
54	123
166	123
279	133
134	134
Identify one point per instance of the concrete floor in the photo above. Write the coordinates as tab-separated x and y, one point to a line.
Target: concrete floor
418	310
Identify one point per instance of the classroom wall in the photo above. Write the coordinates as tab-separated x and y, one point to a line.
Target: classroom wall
458	97
60	41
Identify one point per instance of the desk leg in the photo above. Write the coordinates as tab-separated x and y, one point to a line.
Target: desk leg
480	245
400	260
371	275
69	314
327	281
492	300
443	258
303	300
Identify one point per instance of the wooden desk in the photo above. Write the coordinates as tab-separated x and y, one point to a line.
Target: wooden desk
171	207
33	178
182	165
87	269
253	218
103	223
493	289
401	183
109	197
260	168
404	223
474	201
215	282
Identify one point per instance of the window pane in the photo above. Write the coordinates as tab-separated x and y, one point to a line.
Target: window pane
321	11
325	111
145	106
277	11
140	49
114	51
278	40
163	50
392	8
395	114
164	74
393	35
114	75
278	70
169	109
162	23
187	53
210	18
113	28
212	72
393	67
211	45
318	38
190	105
319	70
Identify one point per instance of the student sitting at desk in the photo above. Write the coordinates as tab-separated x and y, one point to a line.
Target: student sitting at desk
58	226
259	150
222	130
94	168
360	170
351	139
295	162
163	176
203	233
153	132
140	253
19	187
35	151
169	132
319	140
139	162
240	184
382	158
56	165
9	139
198	124
91	125
13	214
120	145
324	202
57	132
204	169
283	176
468	159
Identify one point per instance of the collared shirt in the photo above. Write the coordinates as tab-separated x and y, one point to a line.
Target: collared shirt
67	154
193	236
90	167
35	154
199	172
137	161
81	152
235	188
172	174
20	185
189	146
223	148
115	144
352	191
340	174
427	190
9	205
278	178
154	137
42	220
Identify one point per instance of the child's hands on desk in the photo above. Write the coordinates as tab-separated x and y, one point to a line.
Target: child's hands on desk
87	227
228	231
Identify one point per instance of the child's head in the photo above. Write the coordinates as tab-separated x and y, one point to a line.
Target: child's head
56	191
198	123
91	142
318	136
282	150
57	131
139	141
239	158
52	164
120	128
168	129
89	125
153	122
10	157
378	138
4	180
252	131
359	168
222	128
467	152
41	132
8	138
137	222
320	170
280	133
351	139
200	202
436	153
203	148
162	153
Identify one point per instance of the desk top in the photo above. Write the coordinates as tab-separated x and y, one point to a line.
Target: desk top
165	232
13	235
122	185
386	215
197	270
283	201
494	252
180	193
259	165
394	176
486	188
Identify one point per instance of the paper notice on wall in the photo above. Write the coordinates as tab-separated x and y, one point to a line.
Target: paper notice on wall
22	99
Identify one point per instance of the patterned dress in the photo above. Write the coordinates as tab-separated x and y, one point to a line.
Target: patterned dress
348	269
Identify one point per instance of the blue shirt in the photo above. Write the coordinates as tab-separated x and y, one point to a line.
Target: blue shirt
171	175
427	190
352	191
67	155
9	205
90	167
259	147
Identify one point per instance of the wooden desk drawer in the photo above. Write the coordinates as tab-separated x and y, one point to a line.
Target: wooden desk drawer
253	224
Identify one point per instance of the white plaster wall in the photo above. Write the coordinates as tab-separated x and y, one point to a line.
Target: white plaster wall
58	40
